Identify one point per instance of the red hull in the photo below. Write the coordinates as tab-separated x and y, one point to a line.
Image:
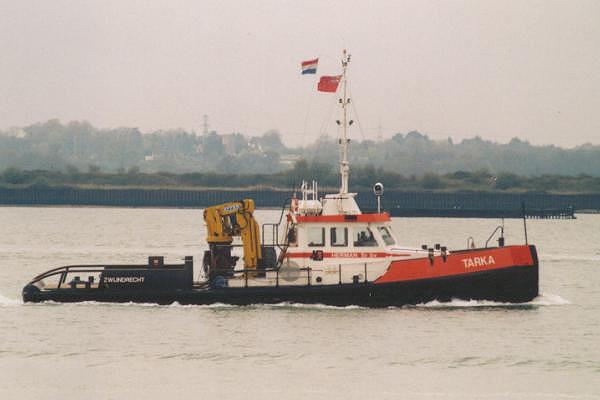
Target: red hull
459	263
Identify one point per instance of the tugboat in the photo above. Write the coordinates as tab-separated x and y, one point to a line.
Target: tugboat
327	252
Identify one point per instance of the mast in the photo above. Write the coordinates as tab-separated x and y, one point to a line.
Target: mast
344	164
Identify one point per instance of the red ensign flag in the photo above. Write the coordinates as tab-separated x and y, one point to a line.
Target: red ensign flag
329	83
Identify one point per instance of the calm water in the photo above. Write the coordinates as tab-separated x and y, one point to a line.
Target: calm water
549	349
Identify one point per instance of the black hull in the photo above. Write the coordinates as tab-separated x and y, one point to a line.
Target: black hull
516	284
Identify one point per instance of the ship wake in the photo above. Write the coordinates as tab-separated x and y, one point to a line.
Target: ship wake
544	299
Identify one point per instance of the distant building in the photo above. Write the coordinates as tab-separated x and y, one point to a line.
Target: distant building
16	132
288	160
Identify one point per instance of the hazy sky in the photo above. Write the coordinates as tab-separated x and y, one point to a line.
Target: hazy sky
496	69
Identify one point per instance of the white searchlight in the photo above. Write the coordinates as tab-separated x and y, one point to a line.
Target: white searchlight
378	190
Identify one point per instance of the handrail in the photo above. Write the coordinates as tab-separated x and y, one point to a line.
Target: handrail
99	268
89	268
68	268
416	250
246	272
241	245
470	242
274	234
493	233
283	209
275	227
241	271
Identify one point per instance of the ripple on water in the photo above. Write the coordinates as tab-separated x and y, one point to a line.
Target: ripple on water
544	299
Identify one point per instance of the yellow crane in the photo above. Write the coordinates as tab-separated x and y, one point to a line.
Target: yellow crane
223	223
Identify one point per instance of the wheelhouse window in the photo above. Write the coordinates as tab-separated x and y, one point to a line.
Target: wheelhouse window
339	237
316	236
386	235
363	237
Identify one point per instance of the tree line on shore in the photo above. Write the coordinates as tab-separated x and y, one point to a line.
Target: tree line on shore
78	146
361	178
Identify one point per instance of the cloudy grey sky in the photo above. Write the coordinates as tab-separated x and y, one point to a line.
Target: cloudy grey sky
496	69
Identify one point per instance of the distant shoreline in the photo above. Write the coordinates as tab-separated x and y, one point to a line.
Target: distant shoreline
577	212
404	203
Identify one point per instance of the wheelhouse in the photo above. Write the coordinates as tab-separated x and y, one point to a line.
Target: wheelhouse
370	231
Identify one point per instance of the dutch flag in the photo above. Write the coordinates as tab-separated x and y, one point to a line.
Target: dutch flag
310	66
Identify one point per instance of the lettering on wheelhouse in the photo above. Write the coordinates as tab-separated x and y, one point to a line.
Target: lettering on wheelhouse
473	262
